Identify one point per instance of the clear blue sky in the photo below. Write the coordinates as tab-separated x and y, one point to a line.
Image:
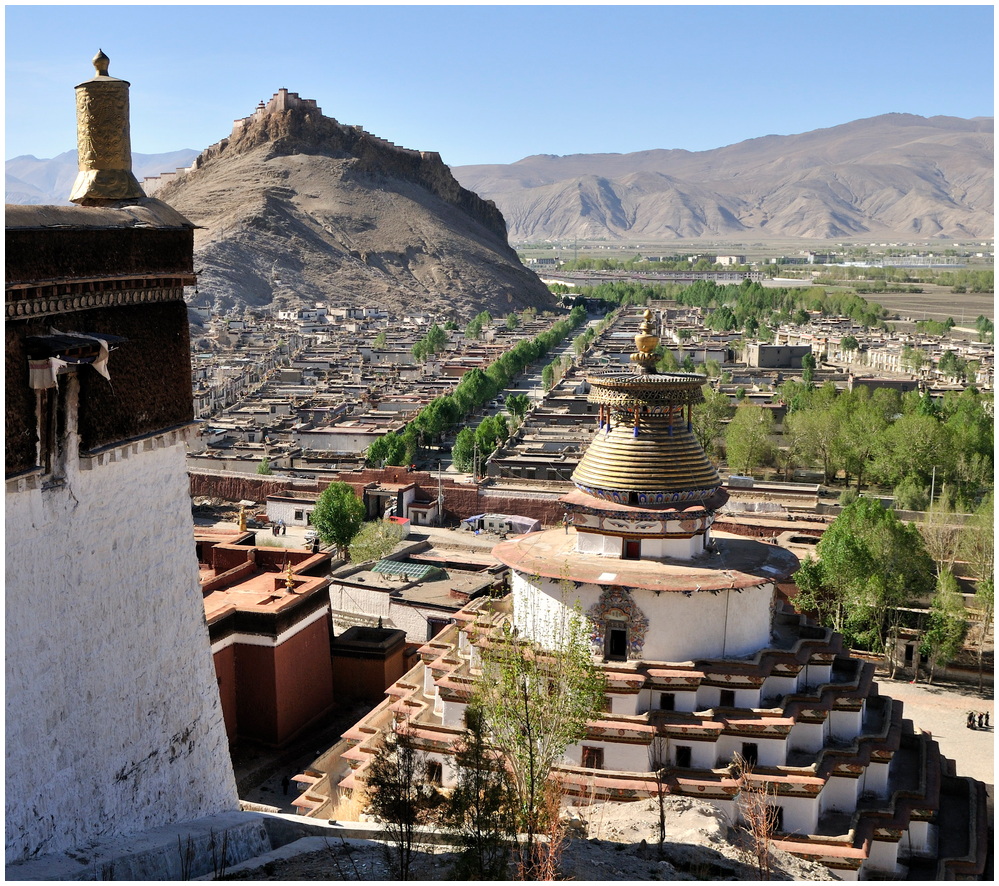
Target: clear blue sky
494	84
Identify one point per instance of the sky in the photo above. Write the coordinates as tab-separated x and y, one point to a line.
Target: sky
495	84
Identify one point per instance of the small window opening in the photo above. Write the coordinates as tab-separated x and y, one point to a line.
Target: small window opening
593	758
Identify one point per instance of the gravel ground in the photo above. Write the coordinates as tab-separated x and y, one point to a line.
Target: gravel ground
942	710
617	841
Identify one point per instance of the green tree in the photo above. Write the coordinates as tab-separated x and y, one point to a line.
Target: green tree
747	438
911	495
860	421
338	515
944	635
709	419
667	362
380	340
869	565
807	370
548	376
389	449
912	359
512	322
910	447
463	451
518	404
486	435
536	699
265	466
375	540
481	808
400	796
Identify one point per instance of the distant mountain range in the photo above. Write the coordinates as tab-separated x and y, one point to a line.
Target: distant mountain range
294	207
49	182
895	175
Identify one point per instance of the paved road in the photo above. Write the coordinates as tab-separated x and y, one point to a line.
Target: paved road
942	709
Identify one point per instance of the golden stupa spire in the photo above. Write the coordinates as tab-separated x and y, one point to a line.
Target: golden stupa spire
646	343
289	583
103	140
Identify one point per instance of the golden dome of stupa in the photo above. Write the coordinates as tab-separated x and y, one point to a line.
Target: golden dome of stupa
645	451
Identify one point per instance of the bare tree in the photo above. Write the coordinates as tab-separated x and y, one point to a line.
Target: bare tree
659	763
941	534
758	813
978	548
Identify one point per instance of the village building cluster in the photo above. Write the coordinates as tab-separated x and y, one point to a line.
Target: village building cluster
113	422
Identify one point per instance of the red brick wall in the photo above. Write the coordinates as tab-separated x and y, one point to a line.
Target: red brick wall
236	487
256	702
460	500
303	679
367	678
225	675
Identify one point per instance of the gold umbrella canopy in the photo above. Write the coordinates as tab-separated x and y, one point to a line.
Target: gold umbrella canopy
644	451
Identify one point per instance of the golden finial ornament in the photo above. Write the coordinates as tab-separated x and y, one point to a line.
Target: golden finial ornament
103	140
288	581
101	62
646	342
242	518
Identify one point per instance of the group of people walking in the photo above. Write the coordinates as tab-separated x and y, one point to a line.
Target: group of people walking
279	528
981	718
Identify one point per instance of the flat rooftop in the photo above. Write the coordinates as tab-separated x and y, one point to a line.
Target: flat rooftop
739	562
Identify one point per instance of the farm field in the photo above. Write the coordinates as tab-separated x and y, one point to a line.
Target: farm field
938	303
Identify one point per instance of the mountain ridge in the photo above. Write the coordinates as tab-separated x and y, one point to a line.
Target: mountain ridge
894	174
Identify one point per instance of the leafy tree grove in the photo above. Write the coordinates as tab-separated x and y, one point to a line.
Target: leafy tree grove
338	515
869	564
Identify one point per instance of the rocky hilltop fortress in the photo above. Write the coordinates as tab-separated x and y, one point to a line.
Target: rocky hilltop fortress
272	123
339	214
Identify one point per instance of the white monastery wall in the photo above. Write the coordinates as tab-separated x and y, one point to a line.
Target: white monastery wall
840	794
680	628
875	779
286	510
801	814
845	725
770	751
883	857
617	756
806	737
103	597
649	700
372	603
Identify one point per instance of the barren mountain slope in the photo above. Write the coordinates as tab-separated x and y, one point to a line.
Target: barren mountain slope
897	174
296	208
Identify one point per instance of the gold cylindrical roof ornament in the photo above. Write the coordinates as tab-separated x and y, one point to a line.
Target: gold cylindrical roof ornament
104	144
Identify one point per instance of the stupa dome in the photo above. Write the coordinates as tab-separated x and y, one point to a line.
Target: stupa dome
645	451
